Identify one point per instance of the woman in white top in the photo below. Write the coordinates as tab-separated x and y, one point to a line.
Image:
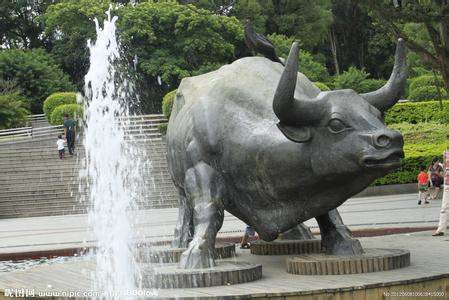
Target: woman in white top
442	226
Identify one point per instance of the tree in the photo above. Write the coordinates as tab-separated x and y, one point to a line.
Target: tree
179	42
431	15
170	41
354	40
307	21
13	111
308	65
36	73
69	24
20	24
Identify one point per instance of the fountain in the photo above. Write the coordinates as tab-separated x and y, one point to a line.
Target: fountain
113	167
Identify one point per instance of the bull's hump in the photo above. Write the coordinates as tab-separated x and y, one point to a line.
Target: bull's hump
249	82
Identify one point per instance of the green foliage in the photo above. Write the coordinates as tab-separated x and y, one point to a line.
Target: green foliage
425	80
20	25
422	142
8	87
369	85
323	87
167	103
56	99
307	21
162	128
423	24
13	111
350	79
36	73
425	93
69	24
73	110
418	112
308	65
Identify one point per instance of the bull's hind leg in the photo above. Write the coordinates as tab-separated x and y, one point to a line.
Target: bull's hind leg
184	226
204	188
299	232
336	238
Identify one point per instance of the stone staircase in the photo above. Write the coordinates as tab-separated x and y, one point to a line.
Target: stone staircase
35	182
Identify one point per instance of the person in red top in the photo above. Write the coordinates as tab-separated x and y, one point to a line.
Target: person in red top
423	185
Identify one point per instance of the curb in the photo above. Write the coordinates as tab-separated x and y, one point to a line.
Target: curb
77	251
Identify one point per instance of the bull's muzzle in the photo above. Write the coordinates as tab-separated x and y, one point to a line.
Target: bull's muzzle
389	152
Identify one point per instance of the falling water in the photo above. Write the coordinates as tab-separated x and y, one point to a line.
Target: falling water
112	166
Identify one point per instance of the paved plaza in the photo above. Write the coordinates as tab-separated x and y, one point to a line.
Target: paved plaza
71	231
429	261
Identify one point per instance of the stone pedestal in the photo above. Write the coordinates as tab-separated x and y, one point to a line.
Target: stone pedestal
373	260
168	254
170	276
285	247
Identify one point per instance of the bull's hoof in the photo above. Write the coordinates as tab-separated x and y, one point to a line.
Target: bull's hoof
343	247
194	258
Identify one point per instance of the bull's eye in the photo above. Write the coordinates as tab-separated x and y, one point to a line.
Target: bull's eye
336	125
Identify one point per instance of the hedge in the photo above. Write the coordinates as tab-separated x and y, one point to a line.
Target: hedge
425	80
422	142
323	87
73	110
424	93
418	112
167	103
56	99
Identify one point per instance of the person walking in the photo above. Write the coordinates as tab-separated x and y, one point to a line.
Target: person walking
442	226
70	132
423	185
60	145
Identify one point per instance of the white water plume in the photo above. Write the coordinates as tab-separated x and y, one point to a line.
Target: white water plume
113	167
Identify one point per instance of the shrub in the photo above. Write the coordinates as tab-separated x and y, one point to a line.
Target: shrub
162	128
308	64
36	73
418	112
369	85
167	103
56	99
321	86
422	142
13	111
425	80
350	79
73	110
313	70
424	93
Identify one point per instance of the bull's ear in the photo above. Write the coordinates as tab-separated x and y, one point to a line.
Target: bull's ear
295	134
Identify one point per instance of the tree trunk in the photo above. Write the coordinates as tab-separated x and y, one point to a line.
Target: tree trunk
445	72
333	46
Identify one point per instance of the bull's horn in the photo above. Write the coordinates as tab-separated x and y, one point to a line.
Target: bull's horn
389	94
285	106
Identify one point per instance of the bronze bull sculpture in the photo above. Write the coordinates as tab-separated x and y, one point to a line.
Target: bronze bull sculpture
262	142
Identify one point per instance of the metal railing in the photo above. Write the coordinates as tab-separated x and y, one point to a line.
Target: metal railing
29	132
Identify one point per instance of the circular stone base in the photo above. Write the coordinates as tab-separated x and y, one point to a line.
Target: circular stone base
167	254
285	247
373	260
224	273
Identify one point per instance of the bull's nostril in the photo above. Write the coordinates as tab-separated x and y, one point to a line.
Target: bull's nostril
383	140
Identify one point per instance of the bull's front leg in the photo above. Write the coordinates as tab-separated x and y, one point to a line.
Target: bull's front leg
336	238
184	227
204	189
